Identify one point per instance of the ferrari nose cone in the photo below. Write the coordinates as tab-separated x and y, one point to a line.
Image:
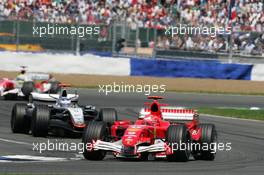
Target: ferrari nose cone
129	141
128	151
132	135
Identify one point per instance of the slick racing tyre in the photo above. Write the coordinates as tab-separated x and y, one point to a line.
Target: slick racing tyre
94	131
108	115
177	136
55	87
27	88
40	121
19	122
208	137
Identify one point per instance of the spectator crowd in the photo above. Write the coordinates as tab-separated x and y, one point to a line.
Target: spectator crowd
249	17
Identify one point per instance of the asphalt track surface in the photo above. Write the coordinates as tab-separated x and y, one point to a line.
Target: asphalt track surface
246	137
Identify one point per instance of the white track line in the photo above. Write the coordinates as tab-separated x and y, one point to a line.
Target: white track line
14	141
33	158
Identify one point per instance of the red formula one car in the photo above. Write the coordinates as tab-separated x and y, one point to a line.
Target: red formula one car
12	89
160	131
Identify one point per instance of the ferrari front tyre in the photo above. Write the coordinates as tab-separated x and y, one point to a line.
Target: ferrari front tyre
108	115
94	131
40	121
178	137
208	140
27	88
19	122
55	87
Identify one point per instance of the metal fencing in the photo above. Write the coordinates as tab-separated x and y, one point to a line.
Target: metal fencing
123	39
20	34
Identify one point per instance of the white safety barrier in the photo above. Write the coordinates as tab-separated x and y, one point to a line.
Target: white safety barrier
257	73
64	63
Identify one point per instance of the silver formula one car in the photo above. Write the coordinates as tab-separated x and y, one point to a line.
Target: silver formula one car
64	117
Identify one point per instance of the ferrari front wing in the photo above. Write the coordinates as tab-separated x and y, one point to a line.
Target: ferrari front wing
118	148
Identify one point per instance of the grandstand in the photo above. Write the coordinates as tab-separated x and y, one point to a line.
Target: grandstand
142	23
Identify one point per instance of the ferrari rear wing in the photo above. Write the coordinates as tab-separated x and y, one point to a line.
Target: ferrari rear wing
171	113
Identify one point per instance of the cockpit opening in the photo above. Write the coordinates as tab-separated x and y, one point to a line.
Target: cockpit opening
154	107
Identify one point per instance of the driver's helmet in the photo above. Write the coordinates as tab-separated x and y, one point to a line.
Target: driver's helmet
154	115
64	102
21	77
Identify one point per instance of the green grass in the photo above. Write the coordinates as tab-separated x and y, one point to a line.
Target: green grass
233	112
218	92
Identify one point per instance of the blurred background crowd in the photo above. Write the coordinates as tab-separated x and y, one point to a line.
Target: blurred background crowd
247	22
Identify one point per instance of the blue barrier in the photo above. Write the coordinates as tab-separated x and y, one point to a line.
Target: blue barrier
191	69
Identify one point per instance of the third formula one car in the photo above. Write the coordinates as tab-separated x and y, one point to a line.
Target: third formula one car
159	132
12	89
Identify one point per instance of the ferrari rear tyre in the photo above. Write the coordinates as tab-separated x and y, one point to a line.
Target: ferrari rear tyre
19	122
40	121
108	115
55	87
27	88
208	137
178	138
94	131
